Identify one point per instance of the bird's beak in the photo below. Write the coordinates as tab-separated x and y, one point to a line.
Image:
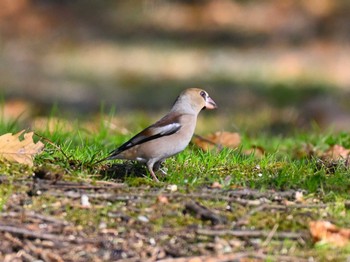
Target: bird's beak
210	104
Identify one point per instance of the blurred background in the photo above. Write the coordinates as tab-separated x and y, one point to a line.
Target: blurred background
271	65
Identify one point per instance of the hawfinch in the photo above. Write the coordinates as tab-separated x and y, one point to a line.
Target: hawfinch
168	136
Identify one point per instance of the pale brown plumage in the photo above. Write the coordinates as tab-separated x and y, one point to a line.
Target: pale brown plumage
168	136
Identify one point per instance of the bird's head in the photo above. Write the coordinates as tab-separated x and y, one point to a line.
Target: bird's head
194	99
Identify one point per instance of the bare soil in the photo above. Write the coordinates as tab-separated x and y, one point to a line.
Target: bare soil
55	220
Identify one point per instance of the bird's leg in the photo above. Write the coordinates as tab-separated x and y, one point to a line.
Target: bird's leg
150	169
159	166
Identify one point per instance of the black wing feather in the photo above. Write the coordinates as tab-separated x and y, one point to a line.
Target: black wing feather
141	138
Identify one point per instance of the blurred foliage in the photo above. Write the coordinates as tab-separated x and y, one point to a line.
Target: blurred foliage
251	55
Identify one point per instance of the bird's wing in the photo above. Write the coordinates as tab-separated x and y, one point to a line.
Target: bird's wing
166	126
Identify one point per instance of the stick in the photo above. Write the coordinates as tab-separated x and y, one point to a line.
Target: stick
35	215
250	233
46	236
243	219
203	213
240	256
53	144
270	236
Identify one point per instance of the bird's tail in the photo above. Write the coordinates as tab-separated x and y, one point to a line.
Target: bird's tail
110	156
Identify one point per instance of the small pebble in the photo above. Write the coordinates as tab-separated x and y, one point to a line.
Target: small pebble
152	241
71	237
299	196
143	219
172	188
102	225
85	201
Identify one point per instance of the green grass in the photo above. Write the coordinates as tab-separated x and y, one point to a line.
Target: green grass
285	165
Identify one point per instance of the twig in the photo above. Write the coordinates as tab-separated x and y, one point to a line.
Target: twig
249	202
44	253
270	236
250	233
204	213
255	194
241	256
44	184
222	258
53	144
35	215
110	184
15	241
26	255
243	219
296	206
46	236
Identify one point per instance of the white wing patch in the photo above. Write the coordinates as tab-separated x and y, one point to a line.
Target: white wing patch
164	130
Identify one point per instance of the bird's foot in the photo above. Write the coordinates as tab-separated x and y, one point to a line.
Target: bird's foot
154	177
163	171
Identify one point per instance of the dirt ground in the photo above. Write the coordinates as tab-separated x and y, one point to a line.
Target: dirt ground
55	220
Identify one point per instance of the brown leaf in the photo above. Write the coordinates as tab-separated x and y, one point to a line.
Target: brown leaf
162	199
326	231
218	140
21	151
305	151
257	151
52	124
216	185
16	109
337	152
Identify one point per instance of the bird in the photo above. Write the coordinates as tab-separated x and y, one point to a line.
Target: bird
168	136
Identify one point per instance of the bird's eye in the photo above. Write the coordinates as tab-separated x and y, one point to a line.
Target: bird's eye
203	94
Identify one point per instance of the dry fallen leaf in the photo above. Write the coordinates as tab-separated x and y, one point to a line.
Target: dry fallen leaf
52	124
305	151
337	152
216	185
218	140
163	199
327	232
16	109
257	151
21	151
299	197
